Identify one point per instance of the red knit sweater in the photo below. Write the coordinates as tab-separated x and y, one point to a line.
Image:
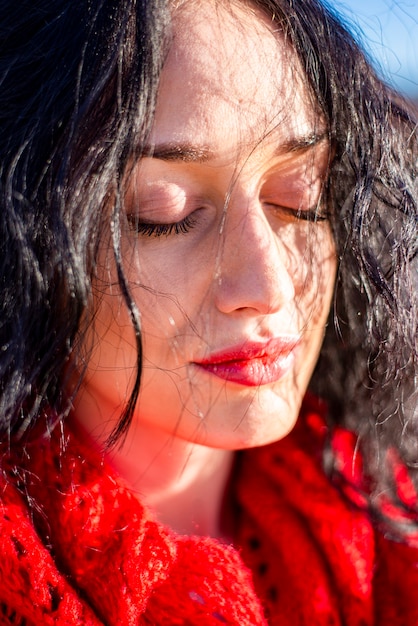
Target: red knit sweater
78	548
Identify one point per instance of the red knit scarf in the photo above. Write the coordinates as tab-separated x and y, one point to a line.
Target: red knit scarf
97	557
77	547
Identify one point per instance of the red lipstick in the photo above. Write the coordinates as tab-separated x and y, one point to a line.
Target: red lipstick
253	363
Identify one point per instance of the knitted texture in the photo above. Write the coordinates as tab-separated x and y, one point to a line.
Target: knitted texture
77	547
112	563
316	557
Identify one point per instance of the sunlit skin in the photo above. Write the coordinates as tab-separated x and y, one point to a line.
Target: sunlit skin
223	255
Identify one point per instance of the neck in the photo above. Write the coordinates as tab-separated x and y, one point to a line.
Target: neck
183	483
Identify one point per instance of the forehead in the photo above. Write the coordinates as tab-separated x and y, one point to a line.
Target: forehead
230	78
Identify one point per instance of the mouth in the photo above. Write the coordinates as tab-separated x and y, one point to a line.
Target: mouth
253	364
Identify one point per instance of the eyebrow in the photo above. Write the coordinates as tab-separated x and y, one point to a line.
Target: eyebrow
302	143
178	152
189	153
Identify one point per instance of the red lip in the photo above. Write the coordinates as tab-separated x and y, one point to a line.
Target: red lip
253	363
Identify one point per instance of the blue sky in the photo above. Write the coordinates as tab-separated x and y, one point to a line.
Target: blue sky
390	32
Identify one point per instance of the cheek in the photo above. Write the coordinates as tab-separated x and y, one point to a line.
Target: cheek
112	336
170	283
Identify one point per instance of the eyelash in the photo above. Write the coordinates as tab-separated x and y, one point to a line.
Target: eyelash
185	225
309	215
162	230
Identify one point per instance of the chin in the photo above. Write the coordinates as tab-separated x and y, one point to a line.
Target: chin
265	436
247	430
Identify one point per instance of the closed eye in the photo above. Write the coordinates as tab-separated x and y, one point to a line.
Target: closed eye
150	229
315	214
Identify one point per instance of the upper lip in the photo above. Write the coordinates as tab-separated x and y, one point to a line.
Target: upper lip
249	350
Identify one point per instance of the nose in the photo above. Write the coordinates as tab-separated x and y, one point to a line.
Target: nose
252	265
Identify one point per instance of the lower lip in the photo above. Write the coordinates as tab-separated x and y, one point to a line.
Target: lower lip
252	373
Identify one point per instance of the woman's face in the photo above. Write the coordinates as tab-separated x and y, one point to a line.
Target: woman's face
231	272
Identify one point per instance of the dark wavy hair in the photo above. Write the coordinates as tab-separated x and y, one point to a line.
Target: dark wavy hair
78	83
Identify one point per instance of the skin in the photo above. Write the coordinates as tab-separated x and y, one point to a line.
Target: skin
238	159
